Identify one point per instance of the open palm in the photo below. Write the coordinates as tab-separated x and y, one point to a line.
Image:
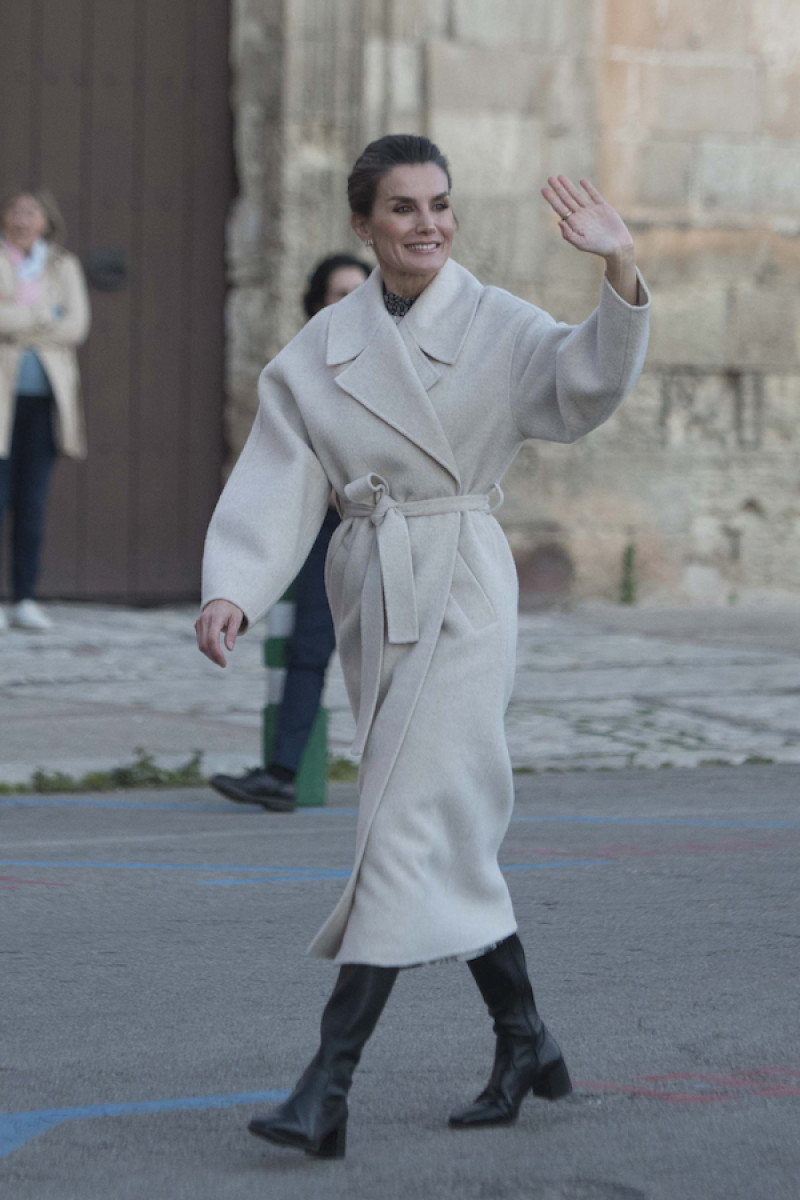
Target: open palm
588	222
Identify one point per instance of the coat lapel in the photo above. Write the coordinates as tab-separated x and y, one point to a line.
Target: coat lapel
389	367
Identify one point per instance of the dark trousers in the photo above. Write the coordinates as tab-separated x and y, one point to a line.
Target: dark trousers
307	654
24	484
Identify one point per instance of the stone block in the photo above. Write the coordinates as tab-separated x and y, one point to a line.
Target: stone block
664	174
564	303
418	19
530	233
571	271
487	241
404	81
690	327
781	412
699	99
569	25
637	423
698	413
727	178
763	328
468	78
719	26
571	154
573	26
774	30
633	23
569	94
751	177
492	154
675	257
374	98
619	94
501	22
782	103
320	19
616	169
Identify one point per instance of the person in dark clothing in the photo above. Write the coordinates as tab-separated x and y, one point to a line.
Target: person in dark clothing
312	641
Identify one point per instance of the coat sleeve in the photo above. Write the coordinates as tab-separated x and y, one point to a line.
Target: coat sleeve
20	323
270	510
72	327
565	380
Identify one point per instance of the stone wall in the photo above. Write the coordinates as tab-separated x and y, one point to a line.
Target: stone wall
687	116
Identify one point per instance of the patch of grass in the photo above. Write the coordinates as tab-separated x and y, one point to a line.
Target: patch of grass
143	772
342	770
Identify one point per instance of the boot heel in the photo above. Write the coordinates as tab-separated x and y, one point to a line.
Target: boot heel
333	1145
554	1083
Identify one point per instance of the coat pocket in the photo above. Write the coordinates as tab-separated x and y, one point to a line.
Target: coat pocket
469	595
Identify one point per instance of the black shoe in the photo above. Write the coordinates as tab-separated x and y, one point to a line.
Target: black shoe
314	1118
257	787
527	1057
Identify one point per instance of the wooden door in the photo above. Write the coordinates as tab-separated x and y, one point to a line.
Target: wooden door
121	108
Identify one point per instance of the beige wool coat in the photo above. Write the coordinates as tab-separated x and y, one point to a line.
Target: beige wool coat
414	424
53	338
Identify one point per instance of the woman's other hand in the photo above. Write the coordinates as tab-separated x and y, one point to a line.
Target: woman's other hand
216	617
589	223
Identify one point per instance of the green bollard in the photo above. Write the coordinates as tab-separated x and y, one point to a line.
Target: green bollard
312	774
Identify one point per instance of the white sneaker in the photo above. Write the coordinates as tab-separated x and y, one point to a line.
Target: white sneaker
3	621
27	614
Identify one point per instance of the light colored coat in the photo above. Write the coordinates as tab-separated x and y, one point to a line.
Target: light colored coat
413	425
53	338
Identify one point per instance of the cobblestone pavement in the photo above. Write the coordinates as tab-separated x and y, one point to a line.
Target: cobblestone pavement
596	688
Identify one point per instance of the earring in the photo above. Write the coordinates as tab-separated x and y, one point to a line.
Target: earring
368	242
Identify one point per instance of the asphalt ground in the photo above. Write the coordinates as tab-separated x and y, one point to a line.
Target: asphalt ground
155	994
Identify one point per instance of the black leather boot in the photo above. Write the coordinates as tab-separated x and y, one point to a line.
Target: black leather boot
527	1057
314	1118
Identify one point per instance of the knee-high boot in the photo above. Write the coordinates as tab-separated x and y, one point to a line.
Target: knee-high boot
527	1057
314	1118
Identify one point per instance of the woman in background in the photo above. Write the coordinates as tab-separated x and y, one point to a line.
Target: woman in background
312	640
44	316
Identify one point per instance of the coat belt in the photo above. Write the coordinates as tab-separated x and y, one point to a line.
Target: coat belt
389	594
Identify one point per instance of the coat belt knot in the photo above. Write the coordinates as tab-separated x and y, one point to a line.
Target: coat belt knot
389	593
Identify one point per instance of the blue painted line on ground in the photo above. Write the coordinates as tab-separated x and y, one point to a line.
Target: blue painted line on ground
345	874
325	810
695	822
18	1128
550	865
90	802
137	866
333	873
25	801
274	874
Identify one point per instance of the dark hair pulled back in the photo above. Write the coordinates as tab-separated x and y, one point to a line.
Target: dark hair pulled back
317	286
380	157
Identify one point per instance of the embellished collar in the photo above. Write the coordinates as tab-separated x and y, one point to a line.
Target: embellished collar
396	306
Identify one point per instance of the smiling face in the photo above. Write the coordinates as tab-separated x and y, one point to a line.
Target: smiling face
24	222
411	226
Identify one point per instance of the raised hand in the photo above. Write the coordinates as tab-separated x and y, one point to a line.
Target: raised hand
588	222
